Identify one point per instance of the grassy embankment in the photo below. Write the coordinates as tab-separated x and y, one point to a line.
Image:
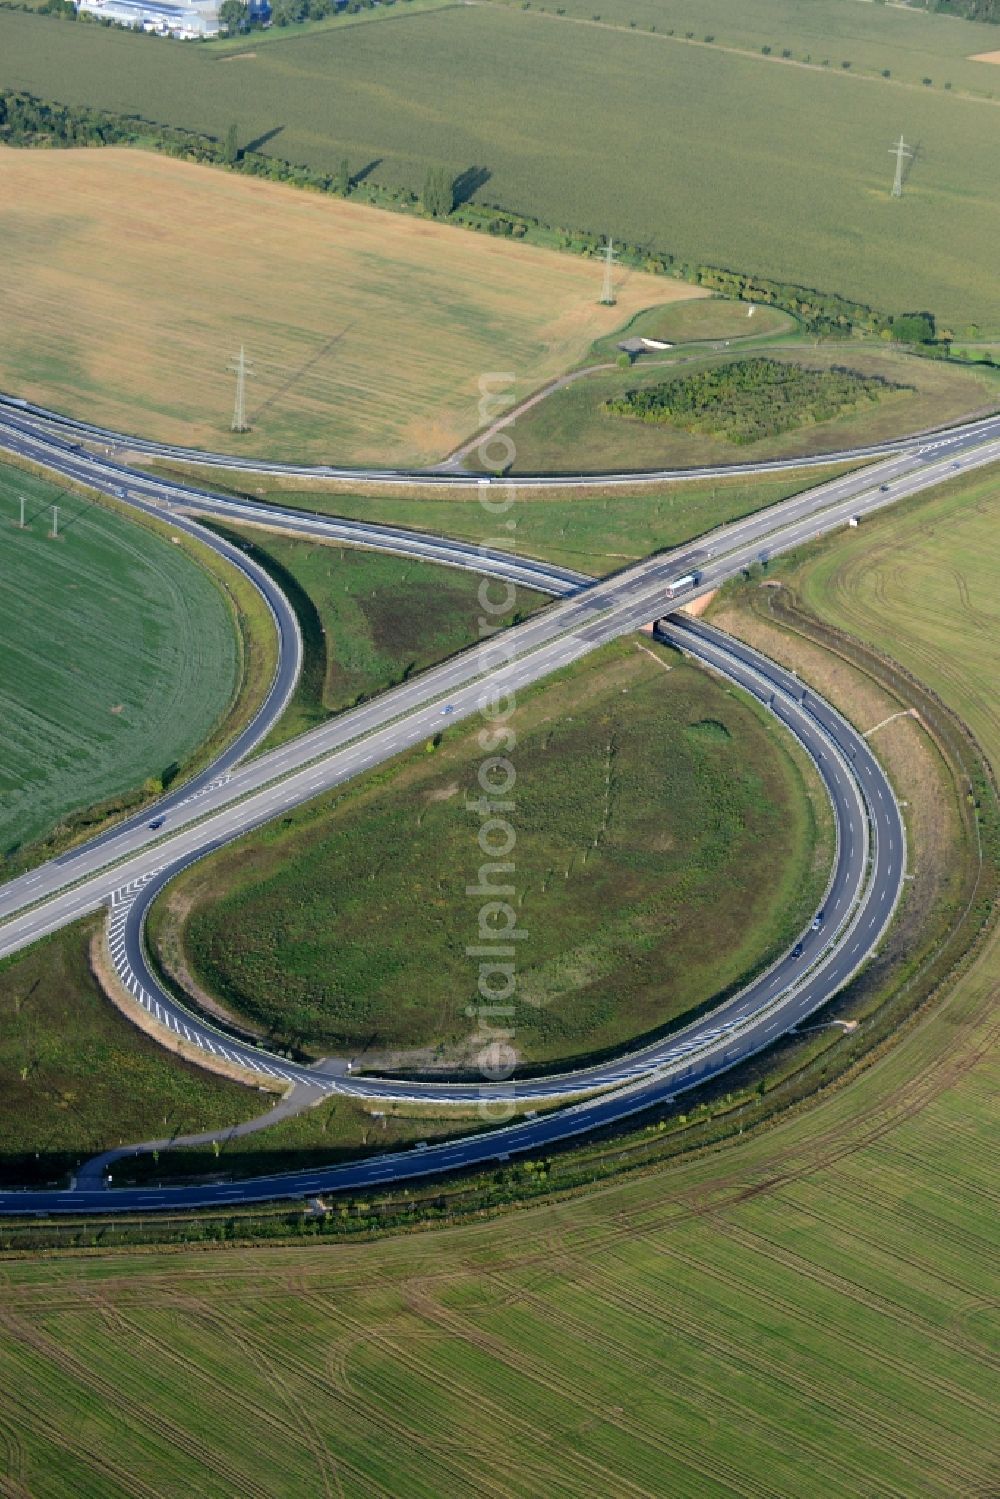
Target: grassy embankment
646	800
815	1299
369	346
125	667
702	322
368	620
537	121
594	530
76	1078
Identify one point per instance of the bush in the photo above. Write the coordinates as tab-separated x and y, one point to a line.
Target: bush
913	328
751	398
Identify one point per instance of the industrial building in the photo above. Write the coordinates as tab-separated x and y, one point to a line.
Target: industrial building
189	21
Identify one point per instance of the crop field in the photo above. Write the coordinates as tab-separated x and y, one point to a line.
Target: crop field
645	793
368	619
76	1078
133	279
816	1298
591	530
120	656
922	586
816	34
724	131
571	430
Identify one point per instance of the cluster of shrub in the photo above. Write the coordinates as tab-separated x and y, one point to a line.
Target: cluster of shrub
971	10
751	399
237	16
62	9
28	121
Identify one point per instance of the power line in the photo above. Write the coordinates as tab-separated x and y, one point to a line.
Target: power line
241	369
900	151
608	290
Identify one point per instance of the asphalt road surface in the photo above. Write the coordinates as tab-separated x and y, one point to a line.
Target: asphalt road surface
39	419
858	905
870	853
243	797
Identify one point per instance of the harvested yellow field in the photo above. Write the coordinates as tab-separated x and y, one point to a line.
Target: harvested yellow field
132	279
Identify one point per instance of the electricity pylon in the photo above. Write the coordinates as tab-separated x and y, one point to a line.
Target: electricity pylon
241	369
608	289
900	151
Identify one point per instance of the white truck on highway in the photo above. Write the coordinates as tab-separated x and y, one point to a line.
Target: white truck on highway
678	585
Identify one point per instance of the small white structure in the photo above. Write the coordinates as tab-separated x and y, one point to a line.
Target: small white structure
185	19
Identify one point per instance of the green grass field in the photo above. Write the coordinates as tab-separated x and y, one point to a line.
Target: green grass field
645	800
548	117
571	431
593	530
368	619
76	1078
121	657
811	1304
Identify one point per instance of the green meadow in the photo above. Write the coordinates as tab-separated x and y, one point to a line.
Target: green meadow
646	796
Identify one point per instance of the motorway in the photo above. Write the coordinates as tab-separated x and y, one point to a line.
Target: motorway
858	905
133	859
861	894
27	417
